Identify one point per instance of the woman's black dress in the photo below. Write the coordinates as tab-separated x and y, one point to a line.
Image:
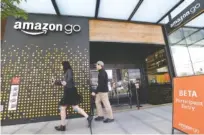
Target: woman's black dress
70	96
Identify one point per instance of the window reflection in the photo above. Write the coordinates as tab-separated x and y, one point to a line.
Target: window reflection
182	61
187	50
189	31
197	56
176	37
196	37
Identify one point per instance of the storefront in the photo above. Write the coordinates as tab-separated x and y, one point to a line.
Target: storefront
186	39
186	43
129	58
32	52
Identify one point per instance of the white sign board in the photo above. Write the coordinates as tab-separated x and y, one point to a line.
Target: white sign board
2	108
13	100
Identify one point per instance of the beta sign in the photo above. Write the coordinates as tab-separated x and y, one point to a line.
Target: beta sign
188	114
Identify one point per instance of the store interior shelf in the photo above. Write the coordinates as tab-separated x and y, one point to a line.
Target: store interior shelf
159	86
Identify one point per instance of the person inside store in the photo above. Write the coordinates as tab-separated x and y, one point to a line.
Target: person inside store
101	95
137	86
70	96
114	88
132	88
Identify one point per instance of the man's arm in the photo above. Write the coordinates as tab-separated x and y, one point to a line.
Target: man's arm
101	82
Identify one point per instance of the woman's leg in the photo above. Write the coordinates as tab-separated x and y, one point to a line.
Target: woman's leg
80	111
63	115
62	127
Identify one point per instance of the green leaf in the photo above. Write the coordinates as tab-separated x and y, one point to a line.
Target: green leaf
9	8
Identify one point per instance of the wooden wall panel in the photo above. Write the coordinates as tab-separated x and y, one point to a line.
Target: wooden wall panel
3	27
112	31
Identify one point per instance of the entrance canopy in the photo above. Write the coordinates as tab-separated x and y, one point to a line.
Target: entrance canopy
147	11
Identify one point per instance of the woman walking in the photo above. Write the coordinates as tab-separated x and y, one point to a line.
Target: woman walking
70	97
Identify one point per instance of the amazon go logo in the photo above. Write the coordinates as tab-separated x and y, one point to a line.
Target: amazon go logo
181	18
42	28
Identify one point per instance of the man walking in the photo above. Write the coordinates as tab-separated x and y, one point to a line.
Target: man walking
101	94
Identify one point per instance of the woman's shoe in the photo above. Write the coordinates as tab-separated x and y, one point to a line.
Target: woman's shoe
90	118
60	128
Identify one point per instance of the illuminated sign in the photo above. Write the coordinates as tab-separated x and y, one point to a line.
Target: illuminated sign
37	28
181	18
193	10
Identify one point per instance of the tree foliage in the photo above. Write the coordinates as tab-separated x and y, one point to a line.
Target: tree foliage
9	8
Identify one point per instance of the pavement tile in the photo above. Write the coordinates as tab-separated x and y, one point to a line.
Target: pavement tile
155	120
11	129
144	116
31	128
164	126
160	113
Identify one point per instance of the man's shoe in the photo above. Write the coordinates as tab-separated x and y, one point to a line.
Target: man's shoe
60	128
99	118
108	120
90	118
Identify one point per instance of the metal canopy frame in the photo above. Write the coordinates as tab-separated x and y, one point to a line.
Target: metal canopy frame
135	10
55	7
169	12
137	6
97	8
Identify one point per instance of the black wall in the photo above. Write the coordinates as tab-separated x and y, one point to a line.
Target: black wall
121	53
35	59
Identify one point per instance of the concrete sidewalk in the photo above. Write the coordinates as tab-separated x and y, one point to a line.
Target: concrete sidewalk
156	120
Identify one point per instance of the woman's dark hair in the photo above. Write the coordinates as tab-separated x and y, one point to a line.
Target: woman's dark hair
66	65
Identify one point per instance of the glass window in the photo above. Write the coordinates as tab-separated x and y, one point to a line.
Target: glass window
181	59
39	7
176	37
153	10
116	9
187	50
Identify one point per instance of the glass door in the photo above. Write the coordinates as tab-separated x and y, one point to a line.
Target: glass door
119	81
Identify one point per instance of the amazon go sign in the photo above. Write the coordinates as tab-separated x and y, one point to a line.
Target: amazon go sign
180	19
42	28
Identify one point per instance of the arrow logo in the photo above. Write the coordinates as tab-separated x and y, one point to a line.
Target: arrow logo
35	33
